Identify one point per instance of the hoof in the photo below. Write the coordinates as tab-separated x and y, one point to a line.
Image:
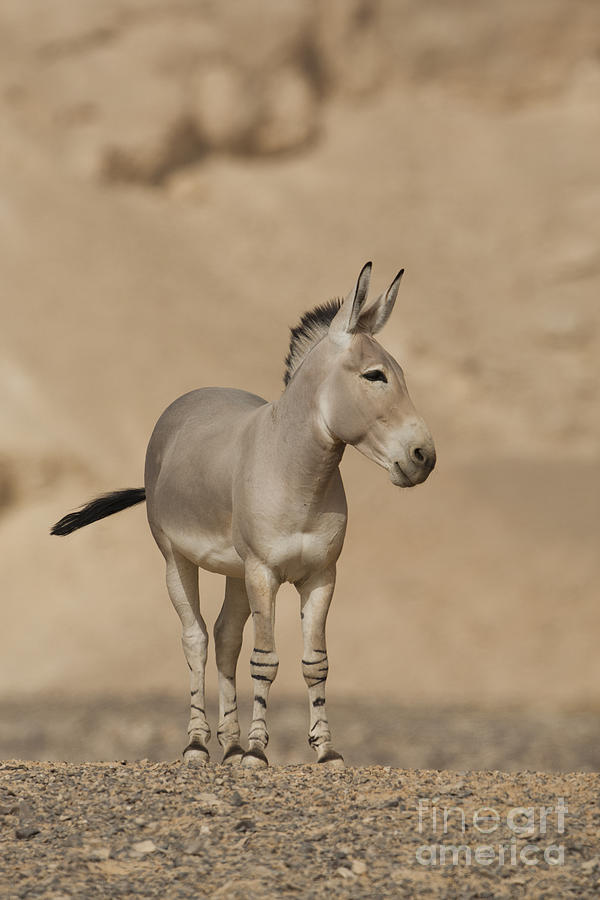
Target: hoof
332	759
254	758
233	756
196	754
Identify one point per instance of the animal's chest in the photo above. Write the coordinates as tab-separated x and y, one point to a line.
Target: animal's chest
287	523
295	554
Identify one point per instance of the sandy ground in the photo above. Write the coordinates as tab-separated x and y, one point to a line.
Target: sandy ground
425	736
166	830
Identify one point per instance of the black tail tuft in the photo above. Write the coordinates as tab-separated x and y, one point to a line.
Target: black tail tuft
99	508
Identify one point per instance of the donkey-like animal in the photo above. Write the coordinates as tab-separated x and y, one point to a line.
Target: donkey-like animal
252	490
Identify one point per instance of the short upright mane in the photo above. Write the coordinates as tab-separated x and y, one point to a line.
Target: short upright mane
313	326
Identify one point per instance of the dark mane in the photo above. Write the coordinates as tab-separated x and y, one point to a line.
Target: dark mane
313	326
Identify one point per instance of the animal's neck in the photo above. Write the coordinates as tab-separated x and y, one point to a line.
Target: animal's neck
309	452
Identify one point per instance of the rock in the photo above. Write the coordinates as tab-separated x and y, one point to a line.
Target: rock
195	847
142	848
451	788
24	832
209	799
236	799
9	810
97	854
210	804
243	889
359	867
345	873
24	811
590	864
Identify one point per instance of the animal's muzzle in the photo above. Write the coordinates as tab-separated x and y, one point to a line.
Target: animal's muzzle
416	466
423	458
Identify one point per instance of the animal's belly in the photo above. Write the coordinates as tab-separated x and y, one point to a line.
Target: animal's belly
212	552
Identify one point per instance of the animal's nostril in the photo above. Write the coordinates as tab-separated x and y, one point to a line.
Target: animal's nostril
418	455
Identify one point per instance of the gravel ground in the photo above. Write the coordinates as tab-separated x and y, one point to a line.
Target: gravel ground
161	829
167	830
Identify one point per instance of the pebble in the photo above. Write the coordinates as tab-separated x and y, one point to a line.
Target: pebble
590	864
97	854
343	872
9	810
195	847
144	847
24	832
209	799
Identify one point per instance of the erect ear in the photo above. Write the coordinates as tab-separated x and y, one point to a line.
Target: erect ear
374	318
346	320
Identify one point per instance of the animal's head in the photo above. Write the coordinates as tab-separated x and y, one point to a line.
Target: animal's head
364	400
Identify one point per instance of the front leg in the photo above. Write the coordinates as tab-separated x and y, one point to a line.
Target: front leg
315	597
261	586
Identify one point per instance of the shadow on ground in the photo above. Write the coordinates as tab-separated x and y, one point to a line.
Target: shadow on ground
426	737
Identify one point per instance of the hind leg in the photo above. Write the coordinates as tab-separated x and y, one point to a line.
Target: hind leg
228	633
182	584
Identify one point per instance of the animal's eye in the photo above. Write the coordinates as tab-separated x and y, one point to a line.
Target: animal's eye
375	375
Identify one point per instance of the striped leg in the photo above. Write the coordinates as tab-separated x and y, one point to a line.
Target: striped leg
315	598
182	584
228	633
262	587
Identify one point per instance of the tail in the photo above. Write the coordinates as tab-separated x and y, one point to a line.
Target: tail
99	508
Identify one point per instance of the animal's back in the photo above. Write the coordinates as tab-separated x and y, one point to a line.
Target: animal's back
189	465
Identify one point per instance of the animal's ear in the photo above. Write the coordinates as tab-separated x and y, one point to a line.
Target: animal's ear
346	320
374	318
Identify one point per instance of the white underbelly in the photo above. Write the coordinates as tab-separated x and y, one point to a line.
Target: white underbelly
214	553
292	556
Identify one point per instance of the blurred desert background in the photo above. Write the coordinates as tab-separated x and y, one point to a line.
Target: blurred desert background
179	181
